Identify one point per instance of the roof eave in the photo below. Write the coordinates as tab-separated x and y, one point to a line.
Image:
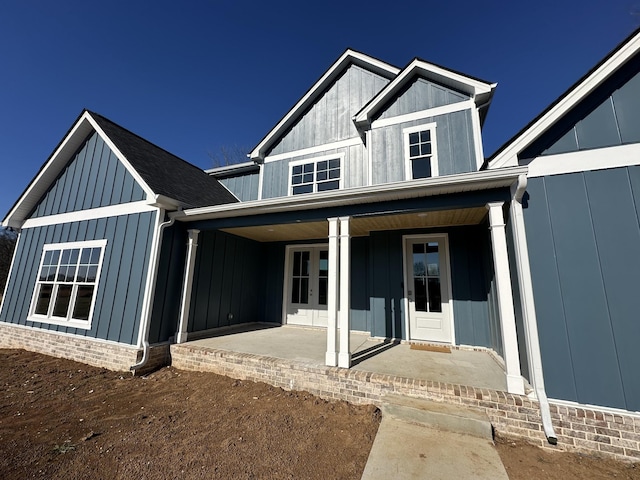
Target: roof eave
391	191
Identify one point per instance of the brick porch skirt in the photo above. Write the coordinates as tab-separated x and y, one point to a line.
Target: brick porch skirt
611	434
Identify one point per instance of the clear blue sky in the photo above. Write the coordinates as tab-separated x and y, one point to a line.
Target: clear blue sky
194	76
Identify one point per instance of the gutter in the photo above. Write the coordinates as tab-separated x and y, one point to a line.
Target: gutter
528	307
150	293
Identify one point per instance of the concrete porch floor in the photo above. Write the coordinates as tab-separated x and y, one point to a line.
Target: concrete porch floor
308	345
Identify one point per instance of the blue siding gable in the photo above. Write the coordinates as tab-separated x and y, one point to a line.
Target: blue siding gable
94	177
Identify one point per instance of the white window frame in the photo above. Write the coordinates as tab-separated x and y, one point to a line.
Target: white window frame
67	321
434	149
315	160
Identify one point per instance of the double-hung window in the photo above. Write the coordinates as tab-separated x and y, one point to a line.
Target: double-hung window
67	281
420	151
315	175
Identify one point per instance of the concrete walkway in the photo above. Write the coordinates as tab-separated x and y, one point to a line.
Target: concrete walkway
419	439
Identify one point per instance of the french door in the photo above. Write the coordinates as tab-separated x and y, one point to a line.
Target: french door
306	286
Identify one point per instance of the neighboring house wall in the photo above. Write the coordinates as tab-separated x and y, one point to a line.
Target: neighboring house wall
121	286
584	239
93	178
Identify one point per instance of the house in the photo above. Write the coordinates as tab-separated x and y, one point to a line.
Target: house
369	206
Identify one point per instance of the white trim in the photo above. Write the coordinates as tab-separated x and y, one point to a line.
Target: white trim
600	408
432	112
344	355
13	259
260	181
315	160
331	357
504	293
463	182
408	172
240	167
586	160
91	214
350	142
477	137
187	285
68	321
446	267
477	89
369	152
567	102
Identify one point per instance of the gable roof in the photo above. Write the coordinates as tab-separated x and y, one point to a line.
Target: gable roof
164	177
507	154
349	57
479	90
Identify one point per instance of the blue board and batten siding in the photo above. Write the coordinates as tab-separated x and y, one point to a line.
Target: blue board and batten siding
243	186
122	282
93	178
329	119
583	233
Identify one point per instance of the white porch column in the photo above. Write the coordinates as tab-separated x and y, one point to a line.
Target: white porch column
344	357
187	284
331	358
515	383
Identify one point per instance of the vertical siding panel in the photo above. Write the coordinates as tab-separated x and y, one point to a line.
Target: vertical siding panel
552	323
237	277
112	302
583	293
116	194
227	280
216	269
84	166
16	294
58	188
618	244
67	200
101	165
95	176
110	181
137	278
198	319
127	187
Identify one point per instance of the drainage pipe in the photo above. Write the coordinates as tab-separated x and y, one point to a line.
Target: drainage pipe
147	308
528	306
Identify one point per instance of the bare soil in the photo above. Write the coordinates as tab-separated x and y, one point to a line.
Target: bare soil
61	419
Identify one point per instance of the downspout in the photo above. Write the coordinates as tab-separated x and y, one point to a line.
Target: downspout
151	284
528	307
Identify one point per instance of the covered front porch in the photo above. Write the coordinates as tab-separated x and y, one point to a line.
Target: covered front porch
306	346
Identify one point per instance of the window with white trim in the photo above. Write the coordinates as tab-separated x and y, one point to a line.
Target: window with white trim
316	175
420	151
67	281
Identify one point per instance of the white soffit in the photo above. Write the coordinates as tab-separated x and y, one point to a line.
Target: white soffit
509	154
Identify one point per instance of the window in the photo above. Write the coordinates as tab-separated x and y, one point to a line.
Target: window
420	151
317	175
66	286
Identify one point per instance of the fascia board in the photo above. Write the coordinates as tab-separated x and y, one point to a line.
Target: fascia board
48	173
471	181
348	56
231	169
566	103
478	90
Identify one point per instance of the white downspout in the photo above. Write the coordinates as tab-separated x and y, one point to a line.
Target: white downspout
528	306
147	308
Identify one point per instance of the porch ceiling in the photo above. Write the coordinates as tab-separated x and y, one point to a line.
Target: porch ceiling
362	226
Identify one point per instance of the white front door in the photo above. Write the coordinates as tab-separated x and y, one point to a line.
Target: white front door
427	288
306	285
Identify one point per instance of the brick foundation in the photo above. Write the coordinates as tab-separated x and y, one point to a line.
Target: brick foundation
613	435
111	356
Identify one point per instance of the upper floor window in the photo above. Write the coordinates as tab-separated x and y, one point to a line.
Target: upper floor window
66	285
420	151
316	175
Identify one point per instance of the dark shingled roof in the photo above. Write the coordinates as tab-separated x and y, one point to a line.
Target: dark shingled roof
165	173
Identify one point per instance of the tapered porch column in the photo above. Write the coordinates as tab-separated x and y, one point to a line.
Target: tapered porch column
344	357
331	359
187	284
515	383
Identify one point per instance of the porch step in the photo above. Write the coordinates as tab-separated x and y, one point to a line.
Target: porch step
441	416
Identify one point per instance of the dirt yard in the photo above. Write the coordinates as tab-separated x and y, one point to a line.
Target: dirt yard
60	419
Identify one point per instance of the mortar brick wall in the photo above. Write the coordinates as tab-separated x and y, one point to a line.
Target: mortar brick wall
111	356
578	429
